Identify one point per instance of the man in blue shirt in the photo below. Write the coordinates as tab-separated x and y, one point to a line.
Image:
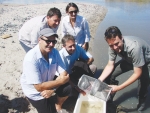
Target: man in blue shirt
71	52
135	54
38	78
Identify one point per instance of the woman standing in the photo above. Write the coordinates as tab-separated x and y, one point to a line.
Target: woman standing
76	25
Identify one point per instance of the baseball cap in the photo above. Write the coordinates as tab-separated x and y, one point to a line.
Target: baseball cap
47	32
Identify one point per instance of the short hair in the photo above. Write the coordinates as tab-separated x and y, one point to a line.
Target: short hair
112	32
54	11
66	38
71	5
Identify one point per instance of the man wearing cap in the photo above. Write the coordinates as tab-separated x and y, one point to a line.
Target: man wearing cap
28	34
38	79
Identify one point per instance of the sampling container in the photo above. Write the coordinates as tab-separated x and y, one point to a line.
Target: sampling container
97	93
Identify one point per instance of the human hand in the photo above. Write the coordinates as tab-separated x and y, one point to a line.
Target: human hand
80	90
47	93
115	88
84	46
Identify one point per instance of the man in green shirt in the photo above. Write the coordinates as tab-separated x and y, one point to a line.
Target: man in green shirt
135	54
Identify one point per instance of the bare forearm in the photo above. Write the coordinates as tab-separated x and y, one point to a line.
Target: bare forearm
129	81
90	61
47	85
60	80
108	69
137	73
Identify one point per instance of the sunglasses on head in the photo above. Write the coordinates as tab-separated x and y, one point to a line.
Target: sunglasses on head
75	11
49	41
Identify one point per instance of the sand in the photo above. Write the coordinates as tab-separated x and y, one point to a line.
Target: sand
12	17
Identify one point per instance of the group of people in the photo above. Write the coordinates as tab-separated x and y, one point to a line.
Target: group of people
47	71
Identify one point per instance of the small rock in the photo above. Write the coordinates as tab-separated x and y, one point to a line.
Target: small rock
6	36
2	46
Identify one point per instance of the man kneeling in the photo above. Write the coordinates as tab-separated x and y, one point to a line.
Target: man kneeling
38	78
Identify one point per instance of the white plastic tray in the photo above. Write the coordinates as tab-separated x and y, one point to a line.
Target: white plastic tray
89	104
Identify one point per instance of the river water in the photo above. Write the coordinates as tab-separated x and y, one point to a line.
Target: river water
133	18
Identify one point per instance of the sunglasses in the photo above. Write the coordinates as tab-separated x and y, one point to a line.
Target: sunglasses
49	41
75	11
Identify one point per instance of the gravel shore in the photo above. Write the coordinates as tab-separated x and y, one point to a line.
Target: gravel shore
12	99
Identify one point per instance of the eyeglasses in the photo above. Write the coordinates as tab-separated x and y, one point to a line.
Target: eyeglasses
49	41
75	11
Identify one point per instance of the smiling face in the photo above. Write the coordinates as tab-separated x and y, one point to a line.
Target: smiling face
47	43
53	21
115	44
70	46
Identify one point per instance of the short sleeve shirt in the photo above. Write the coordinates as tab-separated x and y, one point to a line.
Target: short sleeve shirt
28	34
80	31
88	54
136	51
69	60
37	70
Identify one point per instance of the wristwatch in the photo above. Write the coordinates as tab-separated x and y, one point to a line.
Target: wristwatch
54	90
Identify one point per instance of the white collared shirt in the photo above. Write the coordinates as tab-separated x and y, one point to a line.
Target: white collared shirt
80	31
37	70
28	34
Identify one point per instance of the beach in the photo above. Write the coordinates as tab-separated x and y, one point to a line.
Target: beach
12	54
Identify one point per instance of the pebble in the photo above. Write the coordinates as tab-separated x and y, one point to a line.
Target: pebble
2	46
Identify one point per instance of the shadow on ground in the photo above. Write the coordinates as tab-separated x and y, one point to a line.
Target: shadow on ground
18	104
126	95
98	73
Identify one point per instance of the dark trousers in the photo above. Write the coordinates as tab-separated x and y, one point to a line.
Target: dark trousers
48	105
63	90
143	82
80	67
44	105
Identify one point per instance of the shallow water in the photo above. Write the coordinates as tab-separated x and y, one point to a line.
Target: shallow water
133	18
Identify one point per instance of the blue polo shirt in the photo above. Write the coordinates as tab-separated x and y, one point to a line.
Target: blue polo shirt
69	60
37	70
